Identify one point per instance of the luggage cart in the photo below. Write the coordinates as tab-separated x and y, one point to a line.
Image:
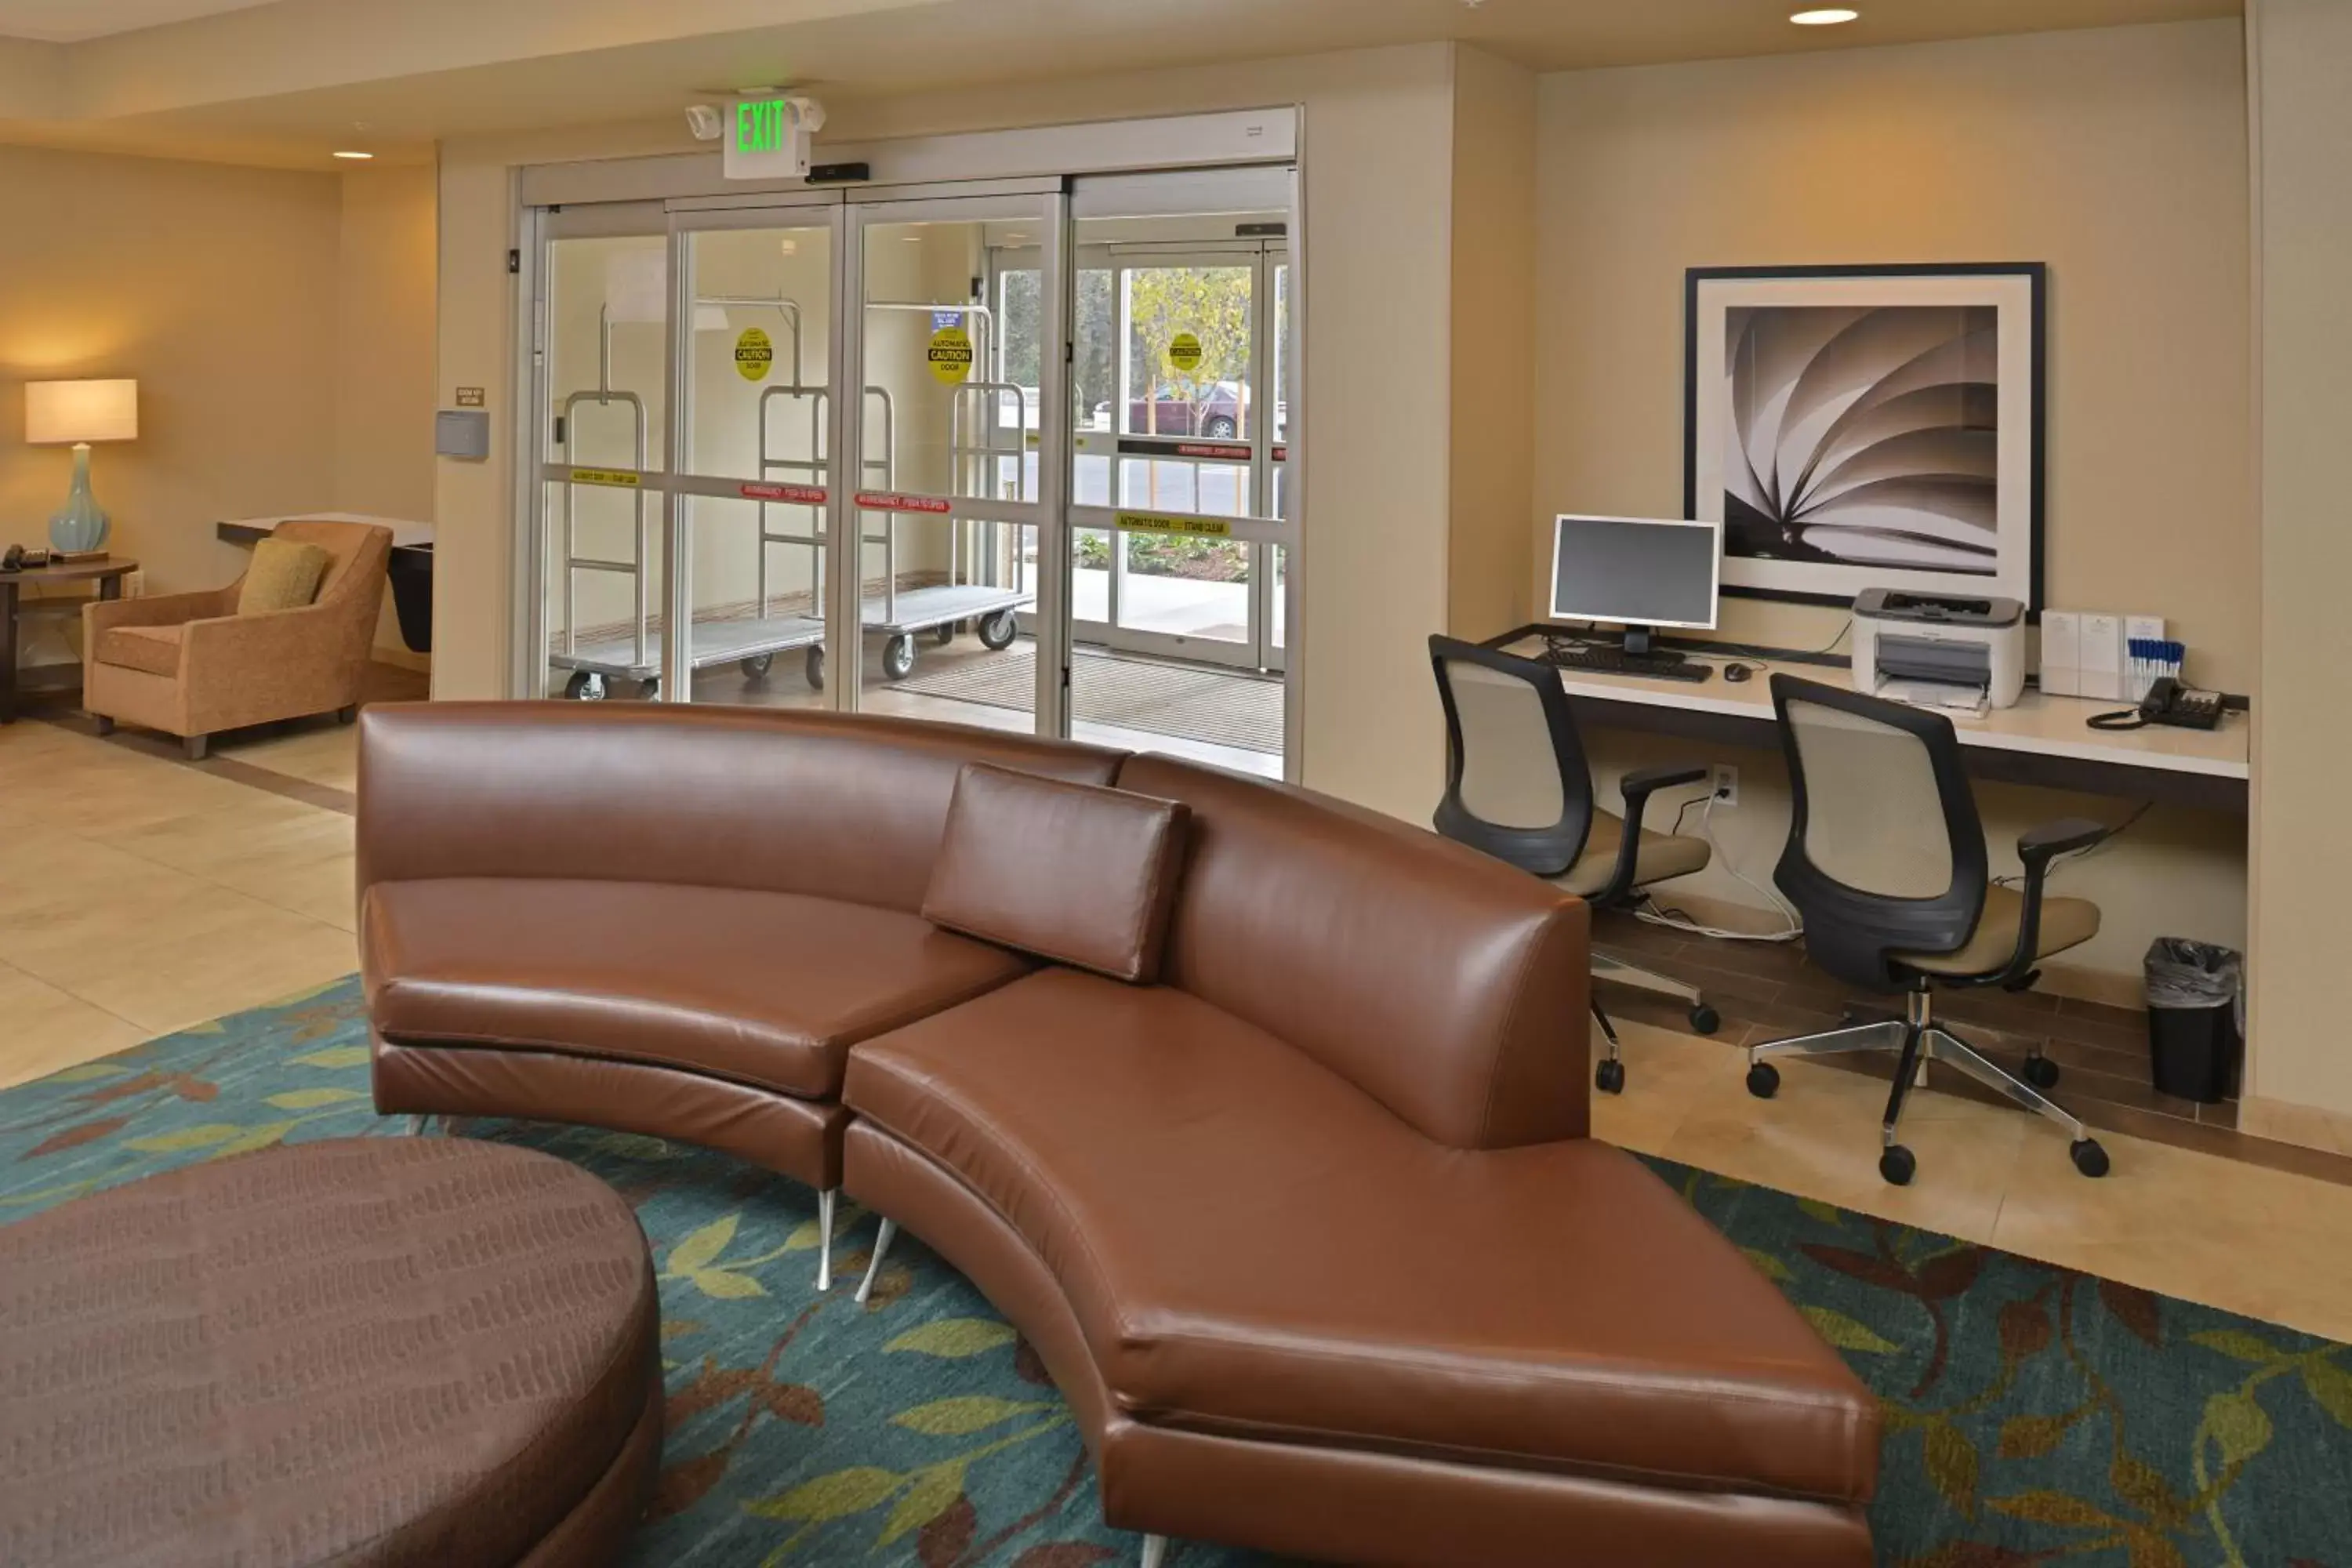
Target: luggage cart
973	591
750	644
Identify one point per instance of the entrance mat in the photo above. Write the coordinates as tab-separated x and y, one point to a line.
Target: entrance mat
1218	708
2033	1415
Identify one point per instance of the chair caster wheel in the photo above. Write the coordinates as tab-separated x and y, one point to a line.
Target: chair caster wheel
1705	1019
1763	1080
1609	1078
2089	1158
1898	1165
2041	1072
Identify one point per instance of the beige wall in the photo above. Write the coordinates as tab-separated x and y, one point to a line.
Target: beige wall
1378	161
2116	156
2304	67
1493	309
384	345
216	289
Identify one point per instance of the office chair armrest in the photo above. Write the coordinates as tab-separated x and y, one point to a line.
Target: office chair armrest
2040	846
2036	848
1638	785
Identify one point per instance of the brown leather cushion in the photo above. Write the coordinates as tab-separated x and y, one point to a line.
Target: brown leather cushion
1447	986
366	1352
155	649
1077	874
769	989
1254	1247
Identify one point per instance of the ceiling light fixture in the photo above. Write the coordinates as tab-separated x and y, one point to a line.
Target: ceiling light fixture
1827	17
356	157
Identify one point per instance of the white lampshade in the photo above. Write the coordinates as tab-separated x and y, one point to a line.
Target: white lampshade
58	413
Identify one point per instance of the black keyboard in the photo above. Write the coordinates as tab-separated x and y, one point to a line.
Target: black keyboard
1605	659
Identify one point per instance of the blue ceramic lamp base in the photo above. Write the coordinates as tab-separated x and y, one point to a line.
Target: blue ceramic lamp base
81	523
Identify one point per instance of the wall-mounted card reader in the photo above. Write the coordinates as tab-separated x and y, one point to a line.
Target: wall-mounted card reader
462	432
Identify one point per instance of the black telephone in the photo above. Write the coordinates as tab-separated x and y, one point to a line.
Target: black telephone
2167	702
19	558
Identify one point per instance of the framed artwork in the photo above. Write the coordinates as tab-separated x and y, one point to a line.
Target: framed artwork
1858	427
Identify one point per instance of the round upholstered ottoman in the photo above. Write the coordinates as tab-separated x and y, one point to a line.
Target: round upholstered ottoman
379	1351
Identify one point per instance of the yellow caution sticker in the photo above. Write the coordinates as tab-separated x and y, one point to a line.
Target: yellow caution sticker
1168	522
1184	351
950	355
755	355
611	478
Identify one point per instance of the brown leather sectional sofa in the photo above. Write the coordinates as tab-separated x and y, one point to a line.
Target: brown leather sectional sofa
1263	1117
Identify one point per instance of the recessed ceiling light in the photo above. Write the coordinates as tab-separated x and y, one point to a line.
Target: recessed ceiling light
356	157
1827	17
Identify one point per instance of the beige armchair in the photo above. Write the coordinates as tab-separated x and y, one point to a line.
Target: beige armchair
189	665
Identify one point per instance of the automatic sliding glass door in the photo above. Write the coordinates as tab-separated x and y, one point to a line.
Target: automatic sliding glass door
953	502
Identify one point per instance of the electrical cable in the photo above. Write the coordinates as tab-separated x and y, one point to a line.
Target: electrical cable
1657	914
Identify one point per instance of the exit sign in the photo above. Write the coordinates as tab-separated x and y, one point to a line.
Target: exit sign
766	139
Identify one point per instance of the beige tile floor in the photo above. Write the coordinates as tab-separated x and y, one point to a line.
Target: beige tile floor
138	896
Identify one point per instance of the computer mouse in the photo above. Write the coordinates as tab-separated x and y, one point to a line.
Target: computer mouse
1736	673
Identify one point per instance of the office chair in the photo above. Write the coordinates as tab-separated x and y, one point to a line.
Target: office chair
1517	787
1887	863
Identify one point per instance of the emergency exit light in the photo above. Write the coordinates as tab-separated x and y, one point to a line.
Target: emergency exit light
767	136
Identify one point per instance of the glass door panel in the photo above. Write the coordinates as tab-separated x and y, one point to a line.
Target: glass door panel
604	379
757	390
953	424
1174	498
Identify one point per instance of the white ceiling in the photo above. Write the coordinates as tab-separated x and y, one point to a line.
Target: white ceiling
71	21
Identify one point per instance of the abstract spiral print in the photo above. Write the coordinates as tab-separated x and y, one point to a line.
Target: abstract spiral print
1864	437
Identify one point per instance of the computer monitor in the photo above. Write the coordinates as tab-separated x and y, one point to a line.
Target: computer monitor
1637	571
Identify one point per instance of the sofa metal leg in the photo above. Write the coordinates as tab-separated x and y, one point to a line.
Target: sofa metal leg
882	1240
825	1201
420	1126
1155	1550
196	746
105	725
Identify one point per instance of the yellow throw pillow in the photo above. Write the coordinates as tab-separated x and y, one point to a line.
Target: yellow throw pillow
285	575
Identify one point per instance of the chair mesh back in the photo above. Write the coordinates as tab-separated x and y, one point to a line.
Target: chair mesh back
1875	819
1510	776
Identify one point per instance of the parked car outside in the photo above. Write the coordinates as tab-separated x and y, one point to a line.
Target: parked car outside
1216	414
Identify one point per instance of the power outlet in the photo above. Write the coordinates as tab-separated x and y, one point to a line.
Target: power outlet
1727	784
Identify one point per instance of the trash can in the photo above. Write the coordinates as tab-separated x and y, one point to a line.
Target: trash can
412	594
2196	1030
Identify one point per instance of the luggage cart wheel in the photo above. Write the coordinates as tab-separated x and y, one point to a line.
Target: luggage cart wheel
757	666
997	631
815	667
899	658
944	635
650	688
585	685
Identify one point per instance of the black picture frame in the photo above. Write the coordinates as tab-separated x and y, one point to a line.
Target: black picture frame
2034	274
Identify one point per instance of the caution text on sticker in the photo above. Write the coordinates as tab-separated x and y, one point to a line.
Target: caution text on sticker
1165	522
611	478
951	354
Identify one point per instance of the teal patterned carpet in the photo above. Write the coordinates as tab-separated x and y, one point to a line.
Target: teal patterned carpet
2034	1416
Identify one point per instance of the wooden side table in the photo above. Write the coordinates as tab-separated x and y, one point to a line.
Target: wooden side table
106	575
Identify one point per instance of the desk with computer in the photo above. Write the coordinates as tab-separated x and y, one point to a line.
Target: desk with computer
1887	861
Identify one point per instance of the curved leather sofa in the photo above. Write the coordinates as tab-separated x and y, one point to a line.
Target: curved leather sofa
1307	1227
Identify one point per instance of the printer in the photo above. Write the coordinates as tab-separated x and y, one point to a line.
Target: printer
1940	650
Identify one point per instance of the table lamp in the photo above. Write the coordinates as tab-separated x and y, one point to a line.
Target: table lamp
79	412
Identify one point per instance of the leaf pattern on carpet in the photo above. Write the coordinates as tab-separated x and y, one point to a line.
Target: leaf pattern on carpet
2033	1415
